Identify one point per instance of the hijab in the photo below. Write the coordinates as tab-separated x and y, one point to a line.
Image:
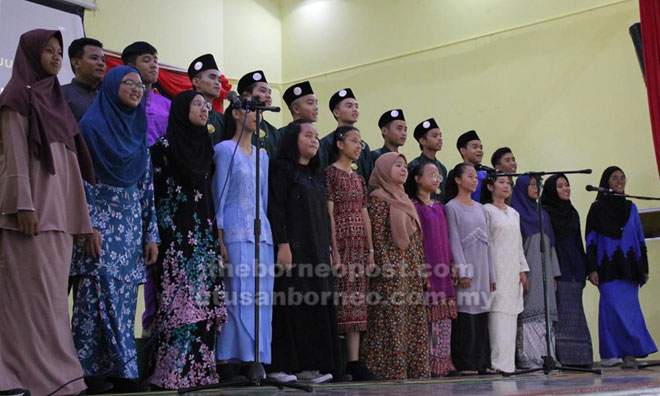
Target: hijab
608	214
564	217
189	150
526	208
116	134
403	215
36	95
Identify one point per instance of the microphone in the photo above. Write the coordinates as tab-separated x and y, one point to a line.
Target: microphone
243	103
486	168
589	187
235	99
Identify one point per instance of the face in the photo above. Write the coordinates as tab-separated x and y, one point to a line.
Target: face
473	152
468	180
429	181
92	65
532	189
131	90
617	182
147	65
399	171
432	140
250	122
351	146
347	111
563	189
396	133
501	189
306	107
308	141
508	163
208	83
199	111
51	57
263	92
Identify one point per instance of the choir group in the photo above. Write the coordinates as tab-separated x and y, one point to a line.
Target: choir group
407	270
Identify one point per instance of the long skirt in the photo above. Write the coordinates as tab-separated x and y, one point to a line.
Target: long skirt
531	344
502	329
185	356
470	342
571	333
236	342
621	327
36	347
104	326
440	314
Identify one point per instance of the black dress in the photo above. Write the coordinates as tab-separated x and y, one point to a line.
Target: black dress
304	322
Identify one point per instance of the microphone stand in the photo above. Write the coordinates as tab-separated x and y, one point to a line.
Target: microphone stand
549	363
256	374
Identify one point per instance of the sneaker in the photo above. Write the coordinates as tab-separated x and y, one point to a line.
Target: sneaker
629	362
611	362
314	377
282	377
360	372
15	392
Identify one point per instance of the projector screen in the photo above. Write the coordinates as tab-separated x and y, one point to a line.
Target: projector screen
19	16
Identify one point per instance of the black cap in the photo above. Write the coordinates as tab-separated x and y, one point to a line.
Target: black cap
250	78
137	48
465	138
297	91
201	63
339	96
389	116
423	127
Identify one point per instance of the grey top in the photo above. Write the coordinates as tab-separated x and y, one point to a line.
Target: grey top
468	236
79	97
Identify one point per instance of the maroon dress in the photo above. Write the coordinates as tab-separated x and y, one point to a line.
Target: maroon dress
348	193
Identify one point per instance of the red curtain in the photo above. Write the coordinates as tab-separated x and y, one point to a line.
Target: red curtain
650	23
173	80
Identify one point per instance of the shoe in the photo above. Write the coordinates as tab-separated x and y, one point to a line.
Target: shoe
15	392
128	385
98	385
360	372
227	373
611	362
629	362
314	377
282	377
342	378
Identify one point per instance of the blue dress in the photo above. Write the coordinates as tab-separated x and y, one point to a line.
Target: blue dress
234	208
103	321
621	264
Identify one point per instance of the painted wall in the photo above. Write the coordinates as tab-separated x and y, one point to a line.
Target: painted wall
558	82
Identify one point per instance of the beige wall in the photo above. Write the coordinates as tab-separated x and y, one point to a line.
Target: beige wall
556	81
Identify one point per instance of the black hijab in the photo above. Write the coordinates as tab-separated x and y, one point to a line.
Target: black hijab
189	151
608	214
563	216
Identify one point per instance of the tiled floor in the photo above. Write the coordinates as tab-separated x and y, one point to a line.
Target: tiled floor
612	381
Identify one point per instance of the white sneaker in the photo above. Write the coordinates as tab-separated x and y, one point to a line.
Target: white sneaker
314	377
282	377
610	362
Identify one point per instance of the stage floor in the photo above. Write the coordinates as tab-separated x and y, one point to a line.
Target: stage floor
613	381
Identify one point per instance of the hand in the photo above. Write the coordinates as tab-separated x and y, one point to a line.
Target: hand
79	239
336	260
371	264
593	278
493	286
646	278
465	283
223	252
92	244
524	282
28	222
284	258
454	275
150	253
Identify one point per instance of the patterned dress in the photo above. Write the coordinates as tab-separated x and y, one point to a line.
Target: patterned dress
189	285
396	343
348	193
103	320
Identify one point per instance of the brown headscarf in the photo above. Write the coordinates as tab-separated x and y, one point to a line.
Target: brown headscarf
37	95
403	215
